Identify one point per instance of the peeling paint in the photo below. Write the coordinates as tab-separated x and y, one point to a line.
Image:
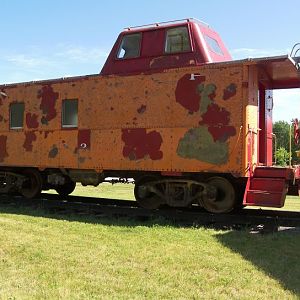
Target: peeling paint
32	120
3	150
207	93
199	144
30	137
139	144
209	141
48	100
53	152
230	91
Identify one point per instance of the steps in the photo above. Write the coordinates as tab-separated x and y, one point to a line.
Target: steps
267	187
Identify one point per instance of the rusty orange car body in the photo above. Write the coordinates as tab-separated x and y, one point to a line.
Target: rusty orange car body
172	123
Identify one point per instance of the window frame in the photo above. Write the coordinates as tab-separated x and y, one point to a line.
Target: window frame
140	33
189	37
63	114
10	116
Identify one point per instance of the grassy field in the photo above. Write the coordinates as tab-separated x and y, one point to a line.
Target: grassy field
51	256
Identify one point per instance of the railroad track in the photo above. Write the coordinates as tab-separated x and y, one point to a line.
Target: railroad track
270	219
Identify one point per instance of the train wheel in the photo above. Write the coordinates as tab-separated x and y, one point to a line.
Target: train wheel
66	189
225	198
33	185
143	194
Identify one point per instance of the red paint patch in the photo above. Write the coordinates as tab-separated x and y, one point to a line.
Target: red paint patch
215	116
3	151
30	137
221	133
48	102
139	144
84	139
230	91
31	120
217	119
187	93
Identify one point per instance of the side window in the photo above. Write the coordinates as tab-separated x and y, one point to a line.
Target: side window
177	40
16	115
130	46
70	113
213	45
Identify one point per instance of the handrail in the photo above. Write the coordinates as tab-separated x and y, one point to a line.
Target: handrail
295	49
166	22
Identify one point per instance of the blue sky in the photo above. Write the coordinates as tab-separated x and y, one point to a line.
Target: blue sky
51	38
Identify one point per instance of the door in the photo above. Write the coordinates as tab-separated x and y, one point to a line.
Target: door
266	126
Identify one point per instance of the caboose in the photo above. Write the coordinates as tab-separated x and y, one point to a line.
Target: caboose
170	108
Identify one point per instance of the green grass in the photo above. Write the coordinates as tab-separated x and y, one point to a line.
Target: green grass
52	256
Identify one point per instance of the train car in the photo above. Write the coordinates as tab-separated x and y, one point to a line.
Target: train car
170	108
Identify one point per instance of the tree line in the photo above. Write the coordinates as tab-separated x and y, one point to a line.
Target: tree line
281	144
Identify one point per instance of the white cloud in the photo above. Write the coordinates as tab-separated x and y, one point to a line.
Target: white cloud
22	60
82	54
36	63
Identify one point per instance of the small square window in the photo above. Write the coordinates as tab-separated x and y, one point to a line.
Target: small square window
177	40
16	115
130	46
70	113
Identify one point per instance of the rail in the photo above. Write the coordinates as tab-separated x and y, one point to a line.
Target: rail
186	216
166	23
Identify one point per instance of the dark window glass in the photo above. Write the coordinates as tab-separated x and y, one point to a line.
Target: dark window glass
177	40
130	46
70	113
16	115
213	45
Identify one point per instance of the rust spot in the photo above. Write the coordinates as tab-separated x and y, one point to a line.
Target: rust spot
230	91
245	84
81	160
142	109
1	118
46	133
188	92
111	108
3	151
48	101
31	120
30	137
140	144
53	152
